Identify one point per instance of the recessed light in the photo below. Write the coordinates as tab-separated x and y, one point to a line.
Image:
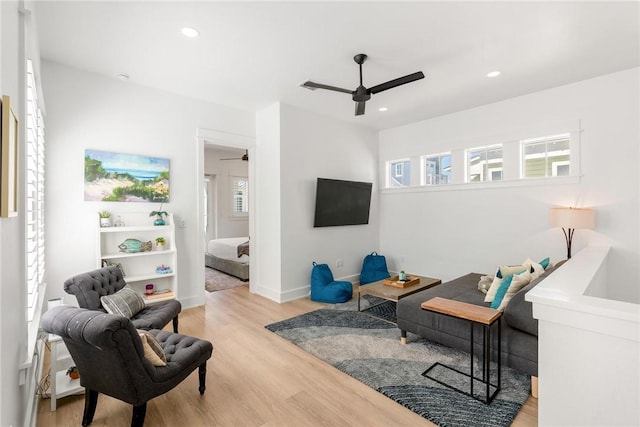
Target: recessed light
190	32
493	74
382	109
122	76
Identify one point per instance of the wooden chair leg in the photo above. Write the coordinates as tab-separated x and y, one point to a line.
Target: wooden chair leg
139	413
202	375
175	324
90	403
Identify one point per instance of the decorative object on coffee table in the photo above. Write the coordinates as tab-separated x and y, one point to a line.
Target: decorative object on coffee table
398	282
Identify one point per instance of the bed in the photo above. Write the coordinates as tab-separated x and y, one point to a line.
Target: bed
230	255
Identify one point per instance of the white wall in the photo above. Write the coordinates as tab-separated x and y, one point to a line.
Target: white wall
87	110
293	149
314	146
13	329
449	233
226	224
265	206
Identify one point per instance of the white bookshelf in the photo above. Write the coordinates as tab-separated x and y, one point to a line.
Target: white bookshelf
140	267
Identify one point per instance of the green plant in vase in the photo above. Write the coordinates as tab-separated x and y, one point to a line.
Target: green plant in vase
73	373
160	243
159	214
105	218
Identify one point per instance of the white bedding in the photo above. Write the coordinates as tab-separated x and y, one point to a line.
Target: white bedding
228	249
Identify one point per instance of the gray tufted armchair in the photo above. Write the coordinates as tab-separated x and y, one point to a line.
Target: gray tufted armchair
109	355
89	287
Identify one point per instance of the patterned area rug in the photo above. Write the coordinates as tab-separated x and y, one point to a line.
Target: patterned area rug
369	350
215	280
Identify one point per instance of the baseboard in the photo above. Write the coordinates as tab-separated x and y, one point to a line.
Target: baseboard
191	302
285	296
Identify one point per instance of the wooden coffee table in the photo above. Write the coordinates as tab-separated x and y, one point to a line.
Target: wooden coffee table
391	293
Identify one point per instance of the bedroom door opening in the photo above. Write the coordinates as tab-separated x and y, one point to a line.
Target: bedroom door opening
225	209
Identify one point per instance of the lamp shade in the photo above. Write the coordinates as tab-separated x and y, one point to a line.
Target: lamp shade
572	218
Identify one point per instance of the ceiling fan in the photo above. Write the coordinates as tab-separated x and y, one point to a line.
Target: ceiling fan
245	157
362	94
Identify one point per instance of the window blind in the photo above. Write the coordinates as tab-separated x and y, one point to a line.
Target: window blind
34	208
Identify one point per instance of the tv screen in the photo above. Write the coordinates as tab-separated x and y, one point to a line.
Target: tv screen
342	202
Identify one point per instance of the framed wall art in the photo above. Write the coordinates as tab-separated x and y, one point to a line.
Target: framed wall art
9	161
119	177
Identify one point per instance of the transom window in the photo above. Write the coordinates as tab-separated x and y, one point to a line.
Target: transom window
546	157
484	164
436	169
399	173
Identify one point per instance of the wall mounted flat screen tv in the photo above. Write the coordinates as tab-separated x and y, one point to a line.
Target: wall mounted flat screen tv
342	202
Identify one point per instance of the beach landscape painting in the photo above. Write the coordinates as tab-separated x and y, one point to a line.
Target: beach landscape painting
118	177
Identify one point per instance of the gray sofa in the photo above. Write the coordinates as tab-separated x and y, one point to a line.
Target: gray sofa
519	328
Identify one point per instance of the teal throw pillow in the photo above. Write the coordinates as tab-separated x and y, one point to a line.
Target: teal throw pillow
502	291
544	263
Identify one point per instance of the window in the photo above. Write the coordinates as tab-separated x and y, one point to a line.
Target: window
546	157
240	196
399	173
484	164
34	221
436	169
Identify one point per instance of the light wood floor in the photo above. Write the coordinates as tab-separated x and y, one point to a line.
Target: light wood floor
255	378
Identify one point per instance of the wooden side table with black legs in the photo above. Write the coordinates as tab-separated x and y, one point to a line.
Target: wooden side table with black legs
475	314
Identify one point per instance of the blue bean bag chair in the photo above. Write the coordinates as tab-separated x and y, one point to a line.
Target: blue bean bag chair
325	289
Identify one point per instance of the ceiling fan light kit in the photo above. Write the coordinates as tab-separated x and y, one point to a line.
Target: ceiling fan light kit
362	94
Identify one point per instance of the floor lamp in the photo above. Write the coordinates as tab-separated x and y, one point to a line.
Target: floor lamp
570	219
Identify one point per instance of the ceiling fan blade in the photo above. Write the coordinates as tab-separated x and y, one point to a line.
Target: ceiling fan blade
360	108
233	158
397	82
311	85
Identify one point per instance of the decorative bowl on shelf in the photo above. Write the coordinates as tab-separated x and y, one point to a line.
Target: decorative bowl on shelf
134	246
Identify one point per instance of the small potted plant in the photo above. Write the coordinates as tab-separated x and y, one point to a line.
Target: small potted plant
161	243
105	218
73	373
159	214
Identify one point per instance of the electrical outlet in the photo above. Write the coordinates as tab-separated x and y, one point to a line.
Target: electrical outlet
339	263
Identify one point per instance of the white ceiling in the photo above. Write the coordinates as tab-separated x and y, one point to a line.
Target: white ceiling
252	54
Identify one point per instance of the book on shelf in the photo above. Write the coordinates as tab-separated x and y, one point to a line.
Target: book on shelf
165	293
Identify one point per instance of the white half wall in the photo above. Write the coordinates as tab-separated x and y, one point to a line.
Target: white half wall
448	233
86	110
